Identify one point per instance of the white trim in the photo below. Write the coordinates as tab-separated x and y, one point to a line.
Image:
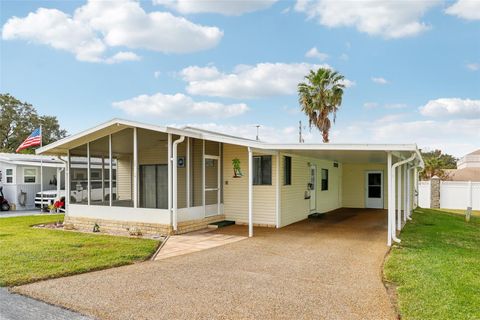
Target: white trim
135	168
250	192
277	193
89	187
169	168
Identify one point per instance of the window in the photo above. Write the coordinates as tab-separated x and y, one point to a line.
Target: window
324	179
9	176
287	171
262	170
29	175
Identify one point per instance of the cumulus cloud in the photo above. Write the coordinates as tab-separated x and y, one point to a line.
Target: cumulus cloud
178	106
465	9
452	107
389	19
101	25
228	8
314	53
249	81
473	66
379	80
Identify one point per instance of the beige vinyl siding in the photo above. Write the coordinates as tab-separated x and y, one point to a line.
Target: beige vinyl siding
124	177
354	184
294	206
235	192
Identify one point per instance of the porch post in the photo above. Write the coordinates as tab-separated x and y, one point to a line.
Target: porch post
203	179
169	169
59	181
250	192
67	182
89	187
399	198
405	191
415	188
390	197
103	178
110	171
135	168
188	172
277	196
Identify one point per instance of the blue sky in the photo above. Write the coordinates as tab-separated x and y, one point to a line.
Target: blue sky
413	67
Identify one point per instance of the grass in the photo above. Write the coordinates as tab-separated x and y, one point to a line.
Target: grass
436	268
462	212
29	254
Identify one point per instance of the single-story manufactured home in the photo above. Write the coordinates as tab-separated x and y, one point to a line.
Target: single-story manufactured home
21	178
175	180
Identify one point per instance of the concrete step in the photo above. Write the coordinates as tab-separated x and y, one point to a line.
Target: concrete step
221	224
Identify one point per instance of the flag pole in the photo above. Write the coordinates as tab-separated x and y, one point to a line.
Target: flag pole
41	171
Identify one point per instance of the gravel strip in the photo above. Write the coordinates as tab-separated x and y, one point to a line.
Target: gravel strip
325	268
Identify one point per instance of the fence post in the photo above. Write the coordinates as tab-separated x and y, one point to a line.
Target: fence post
434	192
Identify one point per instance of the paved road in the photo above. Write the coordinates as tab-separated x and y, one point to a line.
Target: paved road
327	268
17	307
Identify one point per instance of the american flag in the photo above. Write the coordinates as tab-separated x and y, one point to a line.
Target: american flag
35	139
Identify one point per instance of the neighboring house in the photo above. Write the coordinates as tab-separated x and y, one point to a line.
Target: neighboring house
468	168
170	180
20	177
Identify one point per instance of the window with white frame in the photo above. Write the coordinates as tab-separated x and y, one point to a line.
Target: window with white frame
9	176
29	175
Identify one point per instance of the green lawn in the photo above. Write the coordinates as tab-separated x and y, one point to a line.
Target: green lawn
29	254
437	267
462	212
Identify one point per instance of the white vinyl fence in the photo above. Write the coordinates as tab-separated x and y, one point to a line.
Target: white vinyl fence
459	195
424	194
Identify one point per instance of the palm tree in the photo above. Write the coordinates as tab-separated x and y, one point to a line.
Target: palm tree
319	96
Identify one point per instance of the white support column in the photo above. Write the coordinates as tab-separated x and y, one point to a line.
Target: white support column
135	168
175	181
110	171
203	180
67	182
390	197
399	198
103	178
415	188
405	192
470	197
250	192
188	186
410	193
59	181
219	178
169	169
277	191
89	184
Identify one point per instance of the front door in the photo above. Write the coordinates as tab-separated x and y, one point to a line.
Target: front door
312	186
374	189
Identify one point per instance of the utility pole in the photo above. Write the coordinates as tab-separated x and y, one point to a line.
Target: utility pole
258	127
300	137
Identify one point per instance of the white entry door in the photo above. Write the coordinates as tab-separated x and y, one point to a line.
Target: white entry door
374	189
312	186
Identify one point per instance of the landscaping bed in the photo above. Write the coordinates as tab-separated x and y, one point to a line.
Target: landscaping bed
30	254
436	267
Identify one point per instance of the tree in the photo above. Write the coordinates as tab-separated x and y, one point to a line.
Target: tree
17	121
435	164
319	96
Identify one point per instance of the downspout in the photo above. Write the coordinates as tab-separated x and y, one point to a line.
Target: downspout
175	181
394	167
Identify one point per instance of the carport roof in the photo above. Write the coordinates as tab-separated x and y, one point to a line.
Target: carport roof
333	151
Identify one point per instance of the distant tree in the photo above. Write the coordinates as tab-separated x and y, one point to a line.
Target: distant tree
319	96
435	164
17	121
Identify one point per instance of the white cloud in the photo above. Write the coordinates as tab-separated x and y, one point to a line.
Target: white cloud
228	8
389	106
348	83
465	9
389	19
473	66
370	105
314	53
344	57
249	81
101	25
178	106
122	56
379	80
156	74
452	107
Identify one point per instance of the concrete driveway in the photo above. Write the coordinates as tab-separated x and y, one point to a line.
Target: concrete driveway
325	268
